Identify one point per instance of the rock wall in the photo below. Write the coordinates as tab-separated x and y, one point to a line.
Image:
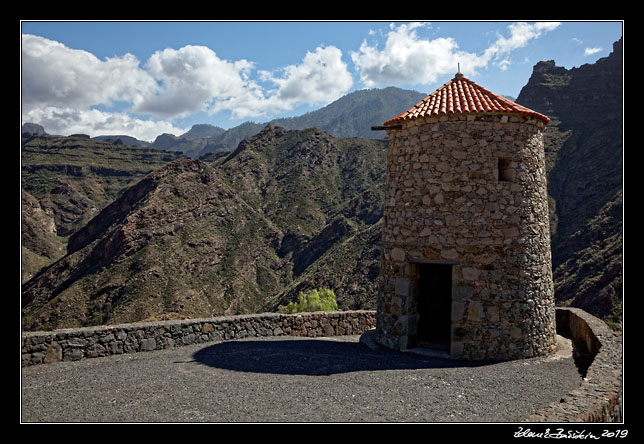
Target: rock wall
470	191
599	398
90	342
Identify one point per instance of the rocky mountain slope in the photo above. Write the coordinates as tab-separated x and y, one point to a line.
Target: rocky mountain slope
65	181
584	149
199	239
242	231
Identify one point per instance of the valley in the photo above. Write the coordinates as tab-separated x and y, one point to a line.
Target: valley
218	222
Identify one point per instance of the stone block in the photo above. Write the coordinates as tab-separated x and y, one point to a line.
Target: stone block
398	254
431	254
54	354
74	354
96	350
189	339
458	310
493	314
456	349
443	167
148	344
475	312
470	274
462	292
115	347
402	287
452	220
427	231
449	254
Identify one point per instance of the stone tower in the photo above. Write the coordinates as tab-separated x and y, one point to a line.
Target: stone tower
466	265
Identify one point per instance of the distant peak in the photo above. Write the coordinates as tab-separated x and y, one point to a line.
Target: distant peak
271	131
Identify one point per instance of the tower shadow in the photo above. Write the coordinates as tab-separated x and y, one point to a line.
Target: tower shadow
313	357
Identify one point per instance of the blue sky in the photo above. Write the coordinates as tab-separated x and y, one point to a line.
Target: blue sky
147	78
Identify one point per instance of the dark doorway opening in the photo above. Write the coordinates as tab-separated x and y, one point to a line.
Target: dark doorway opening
434	302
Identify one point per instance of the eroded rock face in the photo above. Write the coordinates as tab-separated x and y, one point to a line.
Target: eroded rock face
469	191
40	242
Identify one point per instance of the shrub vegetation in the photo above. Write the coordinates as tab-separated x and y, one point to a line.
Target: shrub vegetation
322	300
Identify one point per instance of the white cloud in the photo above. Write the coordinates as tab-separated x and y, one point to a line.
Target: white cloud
321	78
504	64
60	85
53	74
75	91
520	34
591	51
66	120
63	86
407	58
191	79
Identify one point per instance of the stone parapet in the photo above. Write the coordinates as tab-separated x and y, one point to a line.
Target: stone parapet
42	347
599	397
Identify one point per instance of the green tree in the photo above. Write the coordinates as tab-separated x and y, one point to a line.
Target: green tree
322	300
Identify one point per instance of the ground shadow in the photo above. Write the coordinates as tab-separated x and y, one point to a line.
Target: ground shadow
314	357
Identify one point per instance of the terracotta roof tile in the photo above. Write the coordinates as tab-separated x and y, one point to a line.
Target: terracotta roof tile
461	95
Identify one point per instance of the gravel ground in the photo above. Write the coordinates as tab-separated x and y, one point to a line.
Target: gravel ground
289	379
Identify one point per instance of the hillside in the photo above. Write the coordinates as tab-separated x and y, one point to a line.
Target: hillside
584	150
65	181
199	239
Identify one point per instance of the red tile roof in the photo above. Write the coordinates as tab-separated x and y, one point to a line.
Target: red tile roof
461	95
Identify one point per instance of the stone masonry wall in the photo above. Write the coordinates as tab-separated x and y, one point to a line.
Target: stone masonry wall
470	190
91	342
599	398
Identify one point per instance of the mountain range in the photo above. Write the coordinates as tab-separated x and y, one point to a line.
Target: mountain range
113	232
352	115
236	235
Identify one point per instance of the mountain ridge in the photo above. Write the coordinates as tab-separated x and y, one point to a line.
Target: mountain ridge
196	238
65	181
288	210
362	109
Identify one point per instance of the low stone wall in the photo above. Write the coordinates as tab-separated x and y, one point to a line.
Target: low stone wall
44	347
599	398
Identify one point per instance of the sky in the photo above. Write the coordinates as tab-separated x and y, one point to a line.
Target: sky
144	79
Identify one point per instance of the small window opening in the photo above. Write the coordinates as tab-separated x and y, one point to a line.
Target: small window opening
506	171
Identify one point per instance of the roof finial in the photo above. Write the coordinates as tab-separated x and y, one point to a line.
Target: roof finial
459	75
